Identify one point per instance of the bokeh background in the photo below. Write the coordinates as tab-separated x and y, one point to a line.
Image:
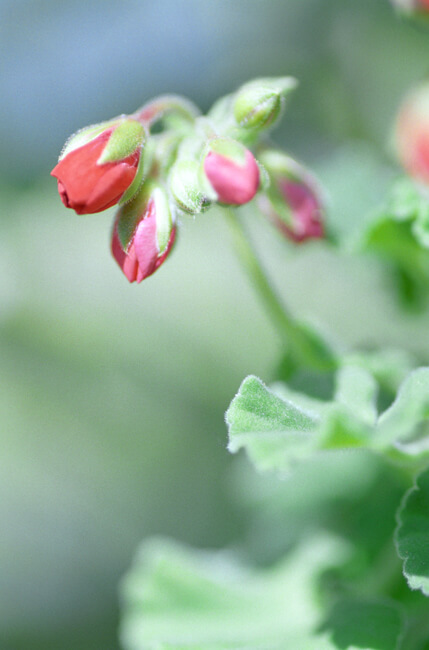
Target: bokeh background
112	396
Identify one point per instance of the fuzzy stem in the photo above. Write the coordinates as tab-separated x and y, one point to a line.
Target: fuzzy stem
304	347
156	109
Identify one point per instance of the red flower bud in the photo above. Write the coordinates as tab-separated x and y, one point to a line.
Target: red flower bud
412	134
292	201
232	171
143	234
99	165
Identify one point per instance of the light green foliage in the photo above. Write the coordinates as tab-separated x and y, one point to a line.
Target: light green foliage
278	428
270	428
412	537
399	234
188	599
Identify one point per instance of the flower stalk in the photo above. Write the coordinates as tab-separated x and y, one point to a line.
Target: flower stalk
304	348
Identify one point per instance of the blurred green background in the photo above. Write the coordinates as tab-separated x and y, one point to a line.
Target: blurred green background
112	396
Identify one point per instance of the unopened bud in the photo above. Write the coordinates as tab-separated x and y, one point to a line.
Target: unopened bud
232	171
292	201
143	233
258	104
413	7
187	188
99	164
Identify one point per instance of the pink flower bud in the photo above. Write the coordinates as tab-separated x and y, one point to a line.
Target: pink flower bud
412	6
292	201
99	164
232	171
143	234
412	133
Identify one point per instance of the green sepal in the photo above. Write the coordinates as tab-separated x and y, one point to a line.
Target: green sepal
138	179
85	135
165	217
130	214
127	137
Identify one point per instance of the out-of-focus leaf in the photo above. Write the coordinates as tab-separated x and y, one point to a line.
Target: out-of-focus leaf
412	535
410	408
399	234
357	391
355	178
360	624
389	367
279	428
178	598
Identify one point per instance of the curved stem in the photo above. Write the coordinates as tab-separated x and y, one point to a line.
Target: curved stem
304	347
156	109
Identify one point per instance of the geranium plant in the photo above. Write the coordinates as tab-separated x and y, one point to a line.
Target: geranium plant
347	566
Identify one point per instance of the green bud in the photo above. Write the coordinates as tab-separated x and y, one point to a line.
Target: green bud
259	104
187	188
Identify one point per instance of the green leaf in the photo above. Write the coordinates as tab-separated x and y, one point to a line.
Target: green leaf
389	367
369	625
279	427
410	408
177	598
357	391
399	234
269	427
412	535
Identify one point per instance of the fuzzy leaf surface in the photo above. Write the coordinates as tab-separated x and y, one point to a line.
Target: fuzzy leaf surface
279	426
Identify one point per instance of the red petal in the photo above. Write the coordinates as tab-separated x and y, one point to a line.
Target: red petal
127	261
88	187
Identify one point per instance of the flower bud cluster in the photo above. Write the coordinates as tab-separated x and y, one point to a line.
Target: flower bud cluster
192	163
